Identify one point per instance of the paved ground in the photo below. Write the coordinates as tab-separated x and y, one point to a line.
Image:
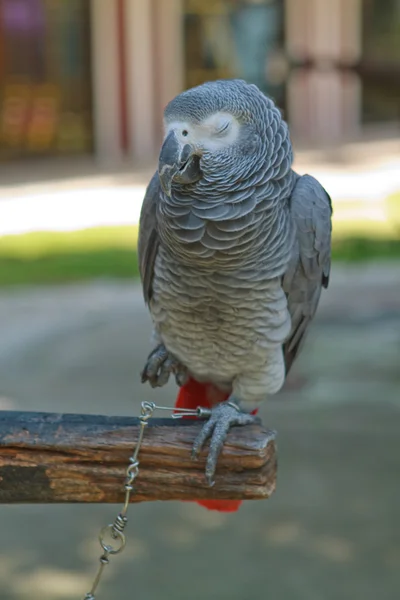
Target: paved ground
330	532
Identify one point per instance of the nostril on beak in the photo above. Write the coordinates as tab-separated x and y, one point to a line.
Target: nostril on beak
183	166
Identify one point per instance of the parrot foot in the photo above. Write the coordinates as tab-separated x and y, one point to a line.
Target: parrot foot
159	366
223	416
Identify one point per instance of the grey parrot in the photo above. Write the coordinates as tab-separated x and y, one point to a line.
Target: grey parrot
234	249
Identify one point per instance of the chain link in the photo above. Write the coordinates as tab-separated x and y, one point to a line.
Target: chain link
112	537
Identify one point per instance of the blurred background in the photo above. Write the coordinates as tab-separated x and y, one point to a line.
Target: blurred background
82	88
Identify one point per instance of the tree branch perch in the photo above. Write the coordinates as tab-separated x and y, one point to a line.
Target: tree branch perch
48	458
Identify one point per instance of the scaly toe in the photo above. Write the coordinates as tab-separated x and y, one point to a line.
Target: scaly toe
203	436
153	364
218	438
159	366
223	417
162	376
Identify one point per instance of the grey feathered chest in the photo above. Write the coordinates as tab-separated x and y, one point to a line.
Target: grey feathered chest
217	298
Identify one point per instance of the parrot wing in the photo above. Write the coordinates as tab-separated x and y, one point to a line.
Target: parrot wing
308	270
148	241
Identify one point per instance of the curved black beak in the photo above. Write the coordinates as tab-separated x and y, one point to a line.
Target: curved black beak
176	162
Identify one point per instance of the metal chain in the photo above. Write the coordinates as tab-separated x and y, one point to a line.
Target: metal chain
115	531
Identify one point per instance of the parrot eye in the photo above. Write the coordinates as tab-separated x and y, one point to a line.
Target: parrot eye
223	128
185	133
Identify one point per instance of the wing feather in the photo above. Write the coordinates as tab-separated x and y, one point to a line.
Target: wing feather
148	241
309	268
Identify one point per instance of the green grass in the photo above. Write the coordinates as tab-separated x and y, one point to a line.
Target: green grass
59	257
110	252
363	249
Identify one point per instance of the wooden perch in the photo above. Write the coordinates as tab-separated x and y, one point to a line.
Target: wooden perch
48	457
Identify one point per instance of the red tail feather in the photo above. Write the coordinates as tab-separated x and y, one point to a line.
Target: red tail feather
192	395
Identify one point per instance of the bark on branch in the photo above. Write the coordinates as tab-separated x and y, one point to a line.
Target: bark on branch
47	458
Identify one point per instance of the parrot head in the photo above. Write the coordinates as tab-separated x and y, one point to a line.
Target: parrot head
219	126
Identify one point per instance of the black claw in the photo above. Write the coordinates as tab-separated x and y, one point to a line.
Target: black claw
210	481
181	378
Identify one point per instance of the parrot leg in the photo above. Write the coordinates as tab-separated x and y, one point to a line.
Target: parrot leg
223	416
160	364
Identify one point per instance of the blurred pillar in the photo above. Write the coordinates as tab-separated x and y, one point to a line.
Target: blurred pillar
169	63
140	78
323	30
324	100
324	106
106	81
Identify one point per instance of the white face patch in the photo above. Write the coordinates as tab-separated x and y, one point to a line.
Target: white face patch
218	131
